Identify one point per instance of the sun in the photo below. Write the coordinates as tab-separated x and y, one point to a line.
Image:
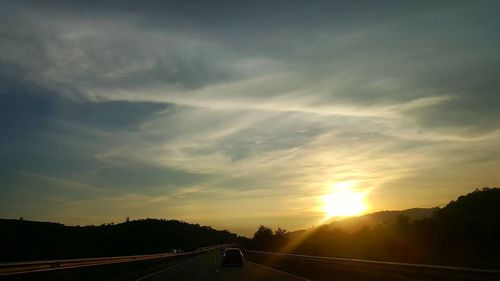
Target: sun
343	201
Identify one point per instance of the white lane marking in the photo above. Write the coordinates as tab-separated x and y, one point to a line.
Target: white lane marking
165	269
283	272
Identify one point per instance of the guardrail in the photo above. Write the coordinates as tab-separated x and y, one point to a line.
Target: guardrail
331	268
107	268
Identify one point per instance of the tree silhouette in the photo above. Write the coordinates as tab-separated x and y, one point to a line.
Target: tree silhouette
28	240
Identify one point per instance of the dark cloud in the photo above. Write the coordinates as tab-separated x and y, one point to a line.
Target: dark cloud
27	107
71	50
143	177
474	97
49	134
281	132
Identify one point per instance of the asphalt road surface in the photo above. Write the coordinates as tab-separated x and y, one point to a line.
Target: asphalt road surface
208	267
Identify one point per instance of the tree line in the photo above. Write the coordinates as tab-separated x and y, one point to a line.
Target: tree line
23	240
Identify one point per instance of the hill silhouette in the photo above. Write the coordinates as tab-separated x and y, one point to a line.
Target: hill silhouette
370	220
30	240
463	233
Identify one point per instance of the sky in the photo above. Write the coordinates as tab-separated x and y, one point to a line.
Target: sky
235	114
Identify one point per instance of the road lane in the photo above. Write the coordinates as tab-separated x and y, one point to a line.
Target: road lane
208	267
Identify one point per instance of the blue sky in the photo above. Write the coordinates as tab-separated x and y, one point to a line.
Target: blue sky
239	114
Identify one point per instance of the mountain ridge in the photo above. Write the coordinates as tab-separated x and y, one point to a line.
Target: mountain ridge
352	224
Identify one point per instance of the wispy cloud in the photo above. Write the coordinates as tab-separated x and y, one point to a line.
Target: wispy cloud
256	107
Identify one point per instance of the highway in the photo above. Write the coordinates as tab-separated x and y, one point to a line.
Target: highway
208	267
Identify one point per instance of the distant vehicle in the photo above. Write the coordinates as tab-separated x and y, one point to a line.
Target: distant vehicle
173	251
233	257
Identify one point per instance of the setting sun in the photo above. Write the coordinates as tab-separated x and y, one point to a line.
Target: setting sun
343	201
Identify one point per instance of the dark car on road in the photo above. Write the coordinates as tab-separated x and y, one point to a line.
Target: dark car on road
233	257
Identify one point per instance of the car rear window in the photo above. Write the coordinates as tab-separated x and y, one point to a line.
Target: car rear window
233	253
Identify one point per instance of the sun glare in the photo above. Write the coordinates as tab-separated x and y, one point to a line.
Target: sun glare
343	201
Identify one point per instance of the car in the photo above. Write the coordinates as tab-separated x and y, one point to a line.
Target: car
233	257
